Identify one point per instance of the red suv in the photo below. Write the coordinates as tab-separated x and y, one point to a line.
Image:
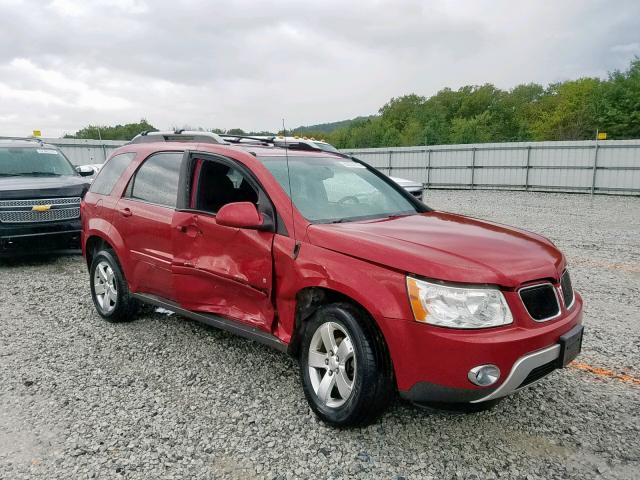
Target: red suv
322	256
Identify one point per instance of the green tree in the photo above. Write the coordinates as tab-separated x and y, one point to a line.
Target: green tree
520	105
398	112
117	132
620	112
476	129
568	111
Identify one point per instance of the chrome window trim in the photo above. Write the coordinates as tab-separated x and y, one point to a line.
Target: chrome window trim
555	292
140	200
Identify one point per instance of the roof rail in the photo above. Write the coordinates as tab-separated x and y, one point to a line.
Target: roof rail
238	139
178	136
26	139
291	144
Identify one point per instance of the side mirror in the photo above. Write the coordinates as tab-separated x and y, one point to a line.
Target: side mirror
85	170
240	215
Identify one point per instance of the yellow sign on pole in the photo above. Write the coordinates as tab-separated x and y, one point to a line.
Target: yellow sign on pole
37	133
602	135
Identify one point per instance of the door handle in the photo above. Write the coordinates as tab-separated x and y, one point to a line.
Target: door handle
125	212
190	230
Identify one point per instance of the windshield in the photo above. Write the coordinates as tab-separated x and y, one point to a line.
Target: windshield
33	161
327	147
328	189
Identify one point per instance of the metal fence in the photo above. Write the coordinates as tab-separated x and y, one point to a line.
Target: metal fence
84	152
610	166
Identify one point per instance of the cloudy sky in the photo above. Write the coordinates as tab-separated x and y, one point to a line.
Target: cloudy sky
65	64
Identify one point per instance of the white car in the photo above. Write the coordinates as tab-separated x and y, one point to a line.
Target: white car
414	188
94	168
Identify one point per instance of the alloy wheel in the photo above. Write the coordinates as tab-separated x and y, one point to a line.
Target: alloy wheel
104	287
332	364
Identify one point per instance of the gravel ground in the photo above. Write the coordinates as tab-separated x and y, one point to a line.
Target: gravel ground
163	397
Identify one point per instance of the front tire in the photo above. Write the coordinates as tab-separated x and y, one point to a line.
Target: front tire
346	373
109	289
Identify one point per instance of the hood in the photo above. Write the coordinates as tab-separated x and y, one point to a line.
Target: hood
27	187
447	247
404	183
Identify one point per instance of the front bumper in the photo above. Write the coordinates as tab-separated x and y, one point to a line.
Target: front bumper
43	237
432	363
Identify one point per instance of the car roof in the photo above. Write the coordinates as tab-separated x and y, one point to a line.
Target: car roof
265	146
253	149
25	143
276	151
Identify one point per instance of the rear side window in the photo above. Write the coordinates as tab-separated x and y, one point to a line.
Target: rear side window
156	181
110	173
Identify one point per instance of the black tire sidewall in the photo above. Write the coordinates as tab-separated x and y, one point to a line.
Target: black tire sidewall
344	414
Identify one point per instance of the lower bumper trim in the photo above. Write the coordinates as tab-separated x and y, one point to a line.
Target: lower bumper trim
425	392
521	370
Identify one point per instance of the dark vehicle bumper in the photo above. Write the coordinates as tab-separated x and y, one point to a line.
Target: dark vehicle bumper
33	238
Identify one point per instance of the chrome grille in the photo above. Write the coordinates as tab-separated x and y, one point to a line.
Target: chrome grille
40	201
20	211
29	216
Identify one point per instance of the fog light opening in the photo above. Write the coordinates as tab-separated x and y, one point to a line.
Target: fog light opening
484	375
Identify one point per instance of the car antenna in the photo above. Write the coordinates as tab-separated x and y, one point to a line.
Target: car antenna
296	248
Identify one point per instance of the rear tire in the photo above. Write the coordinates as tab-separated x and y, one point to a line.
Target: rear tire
109	289
346	373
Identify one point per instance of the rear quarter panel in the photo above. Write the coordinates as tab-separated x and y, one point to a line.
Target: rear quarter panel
97	213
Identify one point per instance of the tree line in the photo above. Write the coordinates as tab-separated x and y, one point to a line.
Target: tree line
570	110
130	130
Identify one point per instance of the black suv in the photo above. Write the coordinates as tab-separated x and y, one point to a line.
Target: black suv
40	193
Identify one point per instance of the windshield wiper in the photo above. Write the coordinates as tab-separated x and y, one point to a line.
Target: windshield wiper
397	215
41	173
9	174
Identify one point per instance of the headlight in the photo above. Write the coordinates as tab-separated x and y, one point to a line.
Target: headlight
456	307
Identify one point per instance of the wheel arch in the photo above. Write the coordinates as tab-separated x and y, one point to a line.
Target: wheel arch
309	299
103	234
93	245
